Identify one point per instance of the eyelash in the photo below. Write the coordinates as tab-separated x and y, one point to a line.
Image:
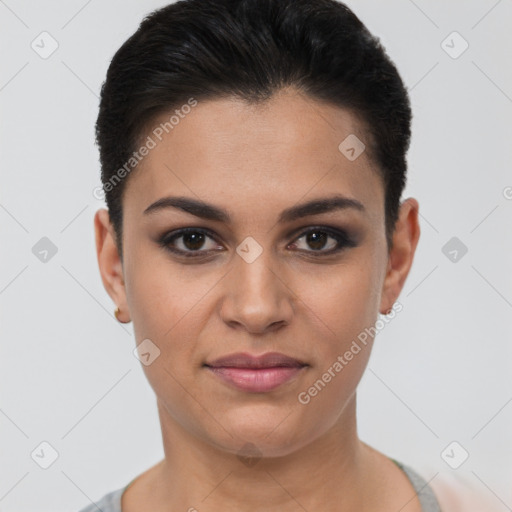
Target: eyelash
342	238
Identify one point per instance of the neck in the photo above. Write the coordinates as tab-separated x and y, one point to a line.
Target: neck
328	473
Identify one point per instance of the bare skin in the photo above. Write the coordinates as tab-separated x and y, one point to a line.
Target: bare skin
254	162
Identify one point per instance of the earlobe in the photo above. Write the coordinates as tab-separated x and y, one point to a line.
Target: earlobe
401	255
109	262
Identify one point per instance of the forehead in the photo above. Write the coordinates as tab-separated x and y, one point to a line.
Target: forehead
230	152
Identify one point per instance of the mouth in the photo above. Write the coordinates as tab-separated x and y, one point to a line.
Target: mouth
256	374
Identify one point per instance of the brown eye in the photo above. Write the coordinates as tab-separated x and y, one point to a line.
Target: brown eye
323	241
317	239
193	241
190	242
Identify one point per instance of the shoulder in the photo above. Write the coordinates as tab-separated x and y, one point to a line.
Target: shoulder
449	492
460	493
110	502
401	487
426	496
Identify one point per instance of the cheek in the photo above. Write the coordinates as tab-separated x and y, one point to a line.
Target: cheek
164	297
168	307
351	297
342	307
345	298
347	310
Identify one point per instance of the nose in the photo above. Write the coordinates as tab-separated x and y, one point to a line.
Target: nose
257	298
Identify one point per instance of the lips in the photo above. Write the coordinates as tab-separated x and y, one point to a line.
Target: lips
268	360
256	374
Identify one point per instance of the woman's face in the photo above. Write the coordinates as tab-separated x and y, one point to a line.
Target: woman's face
259	273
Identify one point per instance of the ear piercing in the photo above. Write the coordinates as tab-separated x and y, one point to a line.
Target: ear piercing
388	311
117	312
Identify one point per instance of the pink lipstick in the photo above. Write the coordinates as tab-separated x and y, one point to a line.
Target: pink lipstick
256	374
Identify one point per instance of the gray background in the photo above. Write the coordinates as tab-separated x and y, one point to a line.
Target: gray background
440	371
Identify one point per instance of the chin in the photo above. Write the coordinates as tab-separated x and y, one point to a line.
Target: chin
262	432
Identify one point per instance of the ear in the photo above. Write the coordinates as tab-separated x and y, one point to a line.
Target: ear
109	262
401	254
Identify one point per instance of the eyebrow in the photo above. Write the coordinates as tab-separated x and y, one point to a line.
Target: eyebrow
209	211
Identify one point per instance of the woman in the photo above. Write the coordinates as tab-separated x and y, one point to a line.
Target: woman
253	158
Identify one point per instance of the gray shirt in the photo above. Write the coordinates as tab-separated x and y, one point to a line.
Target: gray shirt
111	502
